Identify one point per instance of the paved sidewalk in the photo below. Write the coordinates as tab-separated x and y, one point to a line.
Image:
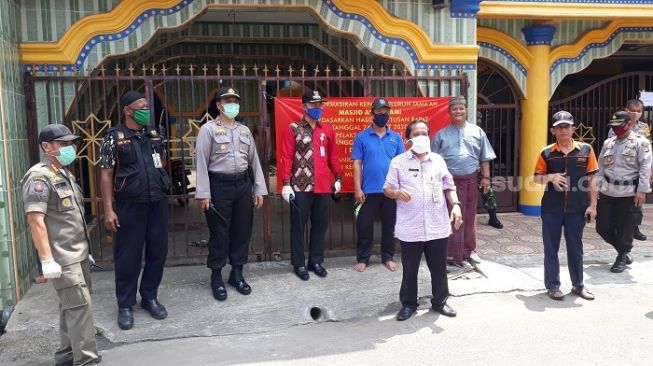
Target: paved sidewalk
280	300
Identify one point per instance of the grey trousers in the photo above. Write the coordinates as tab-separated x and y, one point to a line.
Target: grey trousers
76	328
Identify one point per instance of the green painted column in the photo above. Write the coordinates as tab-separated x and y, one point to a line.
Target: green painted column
18	262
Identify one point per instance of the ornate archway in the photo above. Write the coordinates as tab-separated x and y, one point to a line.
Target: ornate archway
498	115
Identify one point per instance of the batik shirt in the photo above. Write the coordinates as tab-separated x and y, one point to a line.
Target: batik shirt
310	157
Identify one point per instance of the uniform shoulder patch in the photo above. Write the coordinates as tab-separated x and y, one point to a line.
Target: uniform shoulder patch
39	186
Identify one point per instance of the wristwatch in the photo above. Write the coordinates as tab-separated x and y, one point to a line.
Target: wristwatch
458	203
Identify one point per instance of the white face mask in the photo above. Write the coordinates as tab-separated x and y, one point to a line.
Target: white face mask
421	144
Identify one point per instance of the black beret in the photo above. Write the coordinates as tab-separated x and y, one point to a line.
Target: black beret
129	98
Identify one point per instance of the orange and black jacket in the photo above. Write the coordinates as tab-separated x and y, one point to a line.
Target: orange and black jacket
577	166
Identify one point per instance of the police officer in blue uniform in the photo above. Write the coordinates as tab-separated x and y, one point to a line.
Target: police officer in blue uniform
134	177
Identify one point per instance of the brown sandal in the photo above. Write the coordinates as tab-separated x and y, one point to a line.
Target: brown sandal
556	294
582	293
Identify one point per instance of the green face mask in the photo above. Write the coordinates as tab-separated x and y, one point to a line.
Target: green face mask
142	116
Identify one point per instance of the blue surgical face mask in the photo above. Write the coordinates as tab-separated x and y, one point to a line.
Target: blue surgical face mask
231	110
315	113
67	155
381	119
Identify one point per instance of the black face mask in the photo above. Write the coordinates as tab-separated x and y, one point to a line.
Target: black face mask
381	119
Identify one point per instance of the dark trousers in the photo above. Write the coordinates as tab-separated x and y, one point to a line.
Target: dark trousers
315	205
231	226
376	202
141	225
435	252
616	220
552	225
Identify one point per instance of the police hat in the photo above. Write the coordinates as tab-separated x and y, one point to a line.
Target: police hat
380	103
56	132
619	118
129	98
562	117
312	96
225	92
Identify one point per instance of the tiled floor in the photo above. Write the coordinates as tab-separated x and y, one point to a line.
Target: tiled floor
523	235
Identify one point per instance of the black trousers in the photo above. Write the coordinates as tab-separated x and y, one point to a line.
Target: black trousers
376	202
616	220
315	206
435	252
142	225
230	228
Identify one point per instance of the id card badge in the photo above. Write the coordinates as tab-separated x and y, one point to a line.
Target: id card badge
436	193
436	196
157	160
322	151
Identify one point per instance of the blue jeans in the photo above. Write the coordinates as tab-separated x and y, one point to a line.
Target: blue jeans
552	225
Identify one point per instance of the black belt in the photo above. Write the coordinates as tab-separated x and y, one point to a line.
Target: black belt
632	182
228	177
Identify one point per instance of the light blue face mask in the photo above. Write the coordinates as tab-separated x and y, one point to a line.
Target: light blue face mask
231	110
67	155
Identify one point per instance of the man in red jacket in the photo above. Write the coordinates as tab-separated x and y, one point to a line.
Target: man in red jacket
310	160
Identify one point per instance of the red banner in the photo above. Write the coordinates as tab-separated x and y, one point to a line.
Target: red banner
349	116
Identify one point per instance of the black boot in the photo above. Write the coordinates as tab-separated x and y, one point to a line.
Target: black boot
638	234
217	285
494	220
237	280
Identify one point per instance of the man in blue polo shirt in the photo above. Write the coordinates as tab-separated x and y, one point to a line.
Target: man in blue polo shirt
373	150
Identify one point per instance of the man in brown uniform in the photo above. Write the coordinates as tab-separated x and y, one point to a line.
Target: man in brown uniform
55	213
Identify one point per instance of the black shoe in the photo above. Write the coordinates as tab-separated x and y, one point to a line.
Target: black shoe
494	220
155	308
628	258
302	273
237	280
217	285
638	234
619	264
405	313
97	361
125	318
446	310
318	269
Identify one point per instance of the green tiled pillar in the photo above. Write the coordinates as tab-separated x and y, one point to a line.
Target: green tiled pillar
18	262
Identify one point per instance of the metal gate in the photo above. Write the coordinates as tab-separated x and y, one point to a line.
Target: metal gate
593	107
180	99
498	115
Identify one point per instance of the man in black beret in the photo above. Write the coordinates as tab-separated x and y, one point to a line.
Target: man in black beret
134	187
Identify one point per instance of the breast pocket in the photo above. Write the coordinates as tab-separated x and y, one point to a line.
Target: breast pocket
629	155
581	162
223	144
245	142
126	152
66	198
608	157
